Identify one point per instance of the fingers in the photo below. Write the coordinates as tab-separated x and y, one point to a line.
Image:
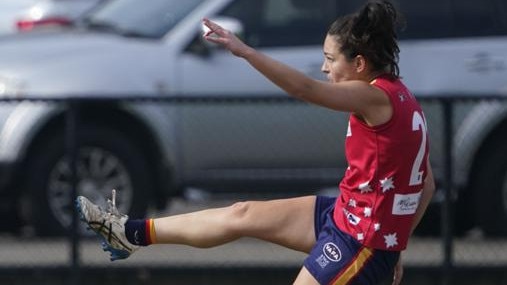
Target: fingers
216	34
398	274
208	33
224	38
396	280
212	26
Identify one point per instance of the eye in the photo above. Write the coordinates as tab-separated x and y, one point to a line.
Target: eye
328	57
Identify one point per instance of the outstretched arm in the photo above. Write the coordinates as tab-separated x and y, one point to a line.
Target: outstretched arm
352	96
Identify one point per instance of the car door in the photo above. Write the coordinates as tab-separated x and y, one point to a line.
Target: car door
247	128
451	48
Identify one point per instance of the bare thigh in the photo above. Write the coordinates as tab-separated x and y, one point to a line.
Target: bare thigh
287	222
305	278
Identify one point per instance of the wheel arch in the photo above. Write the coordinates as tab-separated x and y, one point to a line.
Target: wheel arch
482	129
484	125
487	174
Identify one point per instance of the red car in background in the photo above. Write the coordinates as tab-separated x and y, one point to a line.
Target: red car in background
26	15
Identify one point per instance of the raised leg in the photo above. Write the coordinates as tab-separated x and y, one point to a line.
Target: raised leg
287	222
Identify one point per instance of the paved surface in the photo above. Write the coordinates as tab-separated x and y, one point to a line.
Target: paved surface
17	252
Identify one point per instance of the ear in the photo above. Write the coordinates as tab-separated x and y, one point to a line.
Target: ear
360	62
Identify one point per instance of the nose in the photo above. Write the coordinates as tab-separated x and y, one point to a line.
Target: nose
324	68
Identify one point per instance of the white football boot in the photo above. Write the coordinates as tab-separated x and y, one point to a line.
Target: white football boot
108	225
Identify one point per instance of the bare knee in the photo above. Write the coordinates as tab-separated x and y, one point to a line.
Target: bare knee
239	210
238	216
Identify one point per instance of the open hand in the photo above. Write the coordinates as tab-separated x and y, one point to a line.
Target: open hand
225	38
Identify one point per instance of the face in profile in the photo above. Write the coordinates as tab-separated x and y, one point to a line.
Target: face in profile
336	66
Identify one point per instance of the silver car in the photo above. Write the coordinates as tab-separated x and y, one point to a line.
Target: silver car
212	122
27	15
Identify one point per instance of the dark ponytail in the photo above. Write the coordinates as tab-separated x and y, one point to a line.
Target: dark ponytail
370	32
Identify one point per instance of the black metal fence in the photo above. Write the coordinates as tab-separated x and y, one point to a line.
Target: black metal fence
448	257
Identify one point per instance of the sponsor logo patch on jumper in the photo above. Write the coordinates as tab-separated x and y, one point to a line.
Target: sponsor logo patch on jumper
353	219
332	252
406	204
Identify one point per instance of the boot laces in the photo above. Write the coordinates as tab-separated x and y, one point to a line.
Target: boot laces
111	205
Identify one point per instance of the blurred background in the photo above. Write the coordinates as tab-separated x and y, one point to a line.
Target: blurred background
98	95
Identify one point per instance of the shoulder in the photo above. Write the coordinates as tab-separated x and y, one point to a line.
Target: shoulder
366	91
376	105
388	83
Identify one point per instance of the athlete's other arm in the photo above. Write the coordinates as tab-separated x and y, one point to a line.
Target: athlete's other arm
427	193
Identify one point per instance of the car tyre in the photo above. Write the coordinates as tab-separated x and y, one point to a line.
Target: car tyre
106	159
490	188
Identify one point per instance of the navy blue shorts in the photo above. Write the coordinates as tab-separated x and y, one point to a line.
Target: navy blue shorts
338	258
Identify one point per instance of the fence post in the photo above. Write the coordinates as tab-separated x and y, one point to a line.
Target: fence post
447	205
71	148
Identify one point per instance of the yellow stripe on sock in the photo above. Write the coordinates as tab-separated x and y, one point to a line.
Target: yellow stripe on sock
153	235
354	268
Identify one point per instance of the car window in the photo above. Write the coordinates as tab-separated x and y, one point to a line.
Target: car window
271	23
472	18
426	19
452	18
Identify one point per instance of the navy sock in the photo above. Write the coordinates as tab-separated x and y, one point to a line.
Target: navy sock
135	231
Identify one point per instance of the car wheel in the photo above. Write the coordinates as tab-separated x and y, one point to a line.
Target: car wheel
106	160
490	188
